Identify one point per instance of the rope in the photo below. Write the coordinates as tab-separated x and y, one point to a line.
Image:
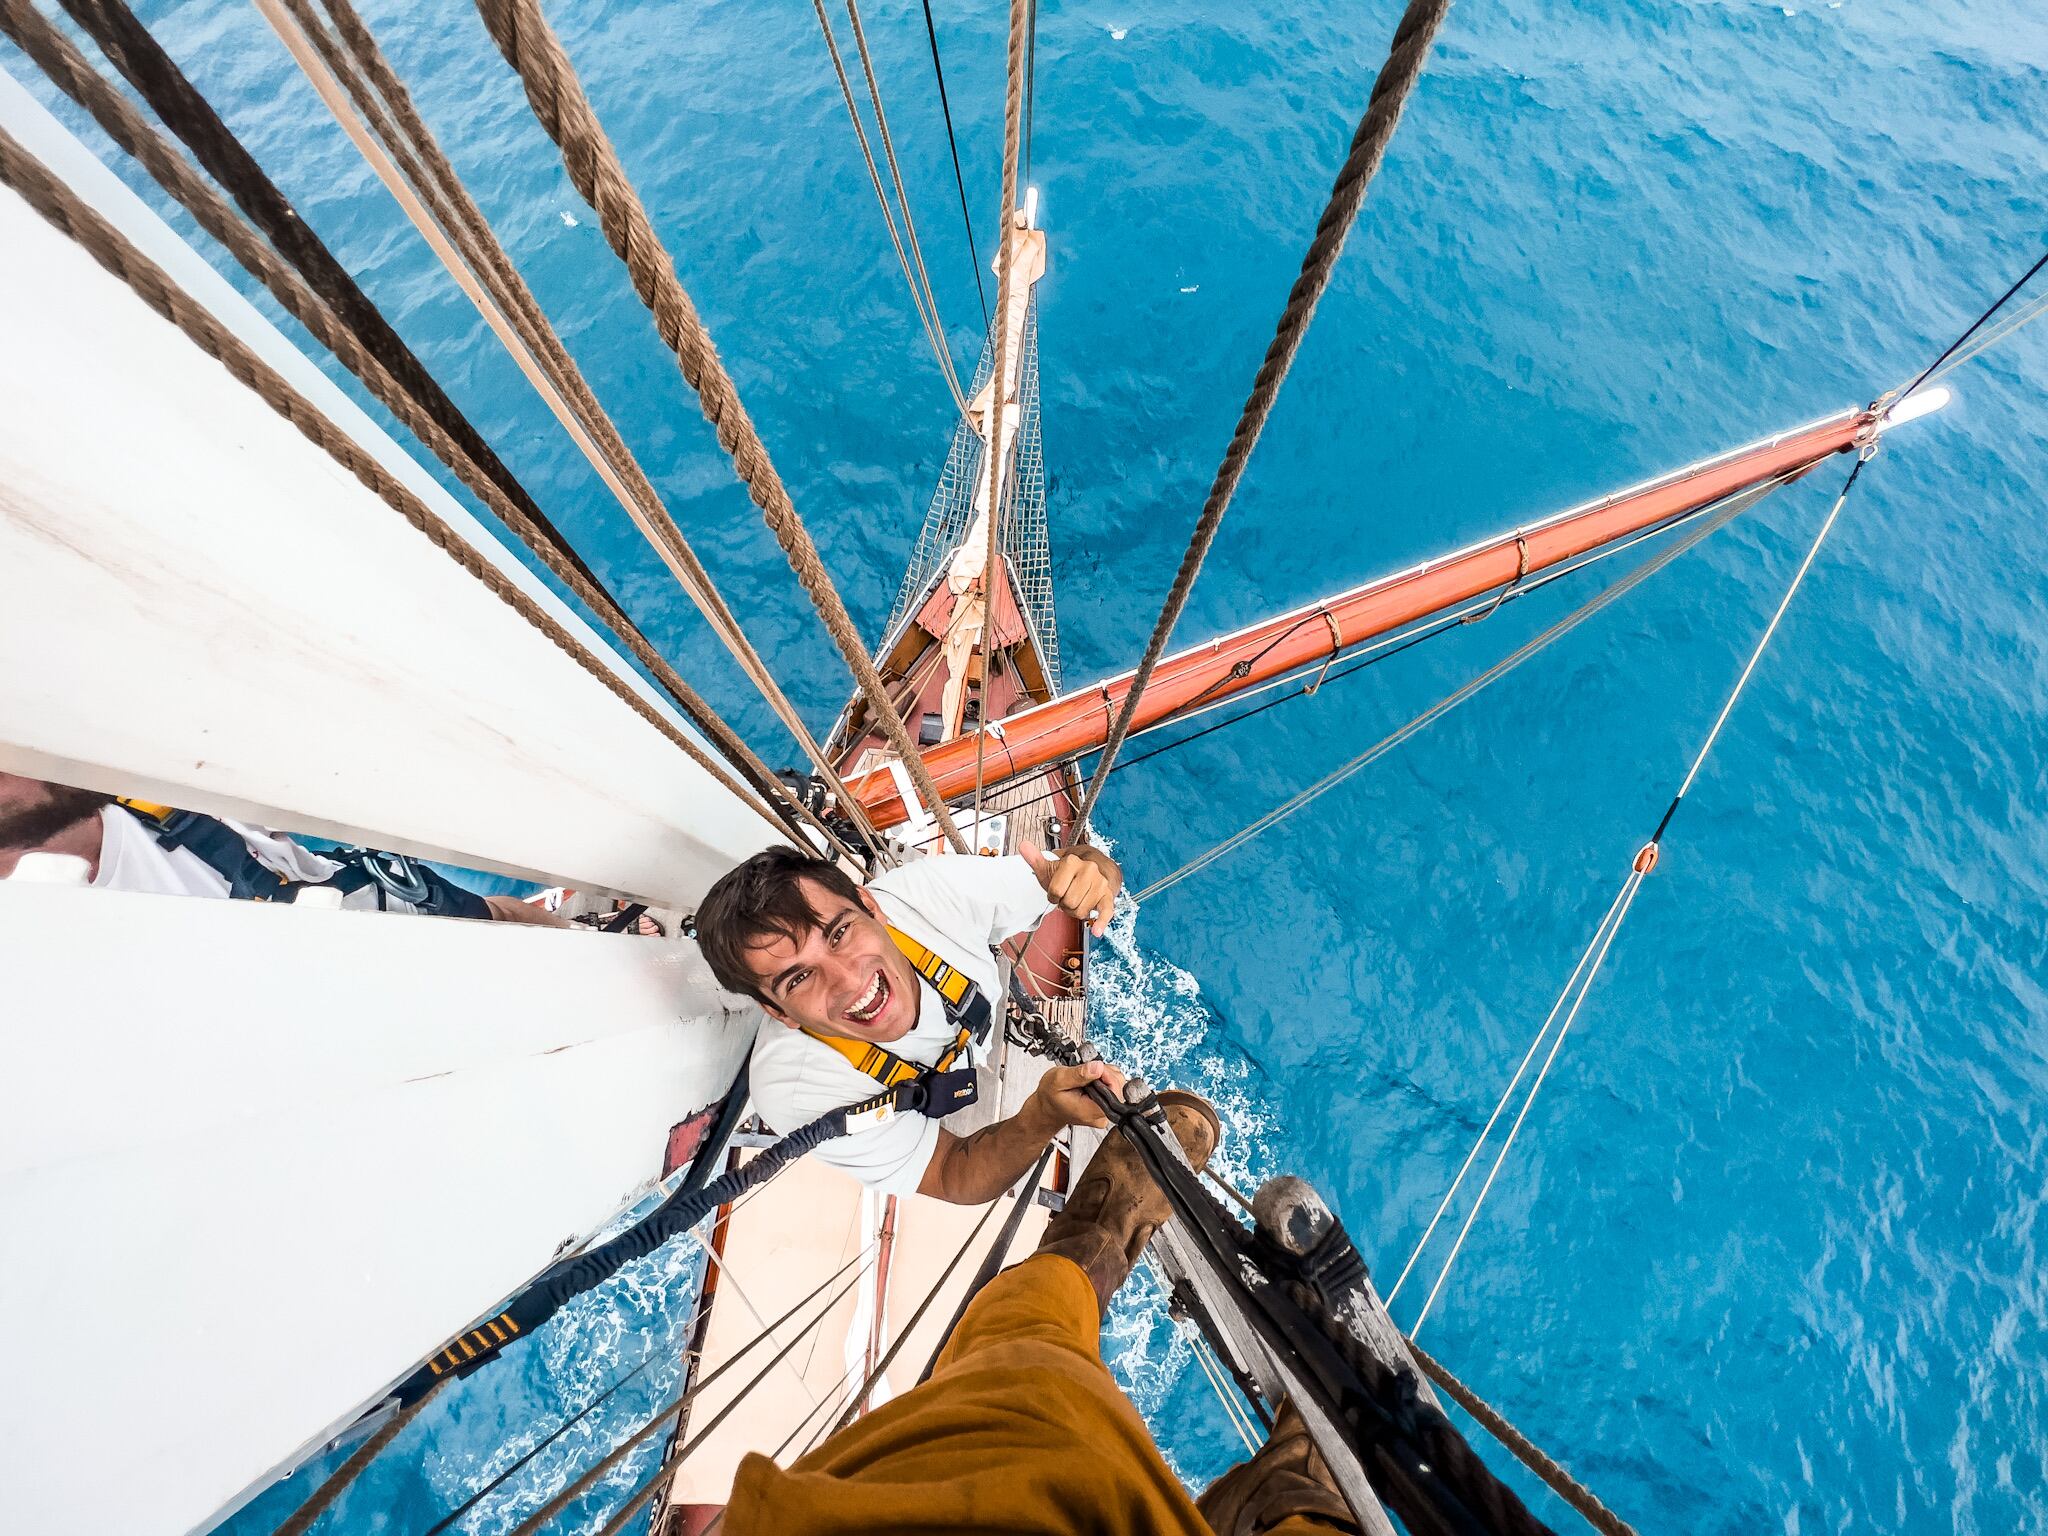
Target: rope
1030	87
110	249
1560	1482
339	1481
994	574
1583	975
914	277
1935	368
561	1501
667	1469
1390	91
1362	658
349	58
1726	512
953	144
67	68
174	99
992	1262
556	96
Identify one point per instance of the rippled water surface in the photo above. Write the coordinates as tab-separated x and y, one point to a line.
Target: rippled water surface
1767	1255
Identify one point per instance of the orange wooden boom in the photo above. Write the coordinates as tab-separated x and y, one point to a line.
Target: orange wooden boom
1078	722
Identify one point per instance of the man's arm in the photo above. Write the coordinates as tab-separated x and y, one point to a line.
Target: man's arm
973	1170
1081	881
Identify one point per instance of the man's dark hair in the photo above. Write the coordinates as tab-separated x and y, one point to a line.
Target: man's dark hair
762	897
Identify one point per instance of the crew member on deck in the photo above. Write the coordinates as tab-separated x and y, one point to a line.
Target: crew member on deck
895	986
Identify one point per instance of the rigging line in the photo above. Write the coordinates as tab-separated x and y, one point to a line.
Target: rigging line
920	297
1198	1347
1560	1482
58	204
668	1467
2019	319
992	1262
1729	510
460	216
1390	92
924	280
654	1352
509	309
953	144
1647	856
1361	658
338	1482
67	68
564	112
903	1337
1499	1108
1975	325
132	50
1030	86
995	578
561	1500
1603	940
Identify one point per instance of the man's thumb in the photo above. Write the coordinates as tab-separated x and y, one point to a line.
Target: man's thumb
1036	857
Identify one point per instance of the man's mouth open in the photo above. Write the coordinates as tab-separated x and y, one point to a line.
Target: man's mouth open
869	1005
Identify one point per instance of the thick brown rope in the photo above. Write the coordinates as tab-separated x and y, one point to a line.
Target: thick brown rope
375	86
338	1482
1418	28
923	279
129	46
63	209
556	95
1555	1478
421	161
995	576
68	69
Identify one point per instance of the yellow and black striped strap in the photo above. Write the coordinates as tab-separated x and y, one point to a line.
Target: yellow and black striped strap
478	1341
886	1067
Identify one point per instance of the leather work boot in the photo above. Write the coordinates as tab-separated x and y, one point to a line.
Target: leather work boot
1115	1208
1287	1480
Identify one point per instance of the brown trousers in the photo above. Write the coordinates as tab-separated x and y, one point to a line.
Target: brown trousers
1020	1430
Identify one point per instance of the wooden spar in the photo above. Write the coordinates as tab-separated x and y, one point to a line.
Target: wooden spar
1077	722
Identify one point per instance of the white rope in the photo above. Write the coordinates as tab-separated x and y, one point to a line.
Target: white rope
1603	940
1499	1108
1239	1416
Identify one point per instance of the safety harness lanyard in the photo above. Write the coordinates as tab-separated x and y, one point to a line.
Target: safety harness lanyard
941	1088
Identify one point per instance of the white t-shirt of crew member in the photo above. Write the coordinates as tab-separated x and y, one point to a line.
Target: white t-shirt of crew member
959	906
131	859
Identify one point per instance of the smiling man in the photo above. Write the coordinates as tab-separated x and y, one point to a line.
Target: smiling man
862	990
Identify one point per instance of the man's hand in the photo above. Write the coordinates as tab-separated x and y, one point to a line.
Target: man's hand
1062	1094
1082	882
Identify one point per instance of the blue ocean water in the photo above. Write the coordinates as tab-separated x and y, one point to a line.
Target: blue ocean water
1767	1254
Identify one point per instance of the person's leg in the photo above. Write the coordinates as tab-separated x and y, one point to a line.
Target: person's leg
1285	1490
1021	1428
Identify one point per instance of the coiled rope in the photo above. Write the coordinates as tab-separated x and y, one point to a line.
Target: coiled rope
64	210
556	95
68	69
1390	92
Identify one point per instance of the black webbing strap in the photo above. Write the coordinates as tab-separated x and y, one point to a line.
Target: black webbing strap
561	1283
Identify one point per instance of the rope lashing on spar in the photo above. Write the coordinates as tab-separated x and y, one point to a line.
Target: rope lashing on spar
1571	999
67	68
915	278
1390	92
523	36
348	71
64	210
995	570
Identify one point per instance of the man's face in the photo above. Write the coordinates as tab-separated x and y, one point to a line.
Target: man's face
846	977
